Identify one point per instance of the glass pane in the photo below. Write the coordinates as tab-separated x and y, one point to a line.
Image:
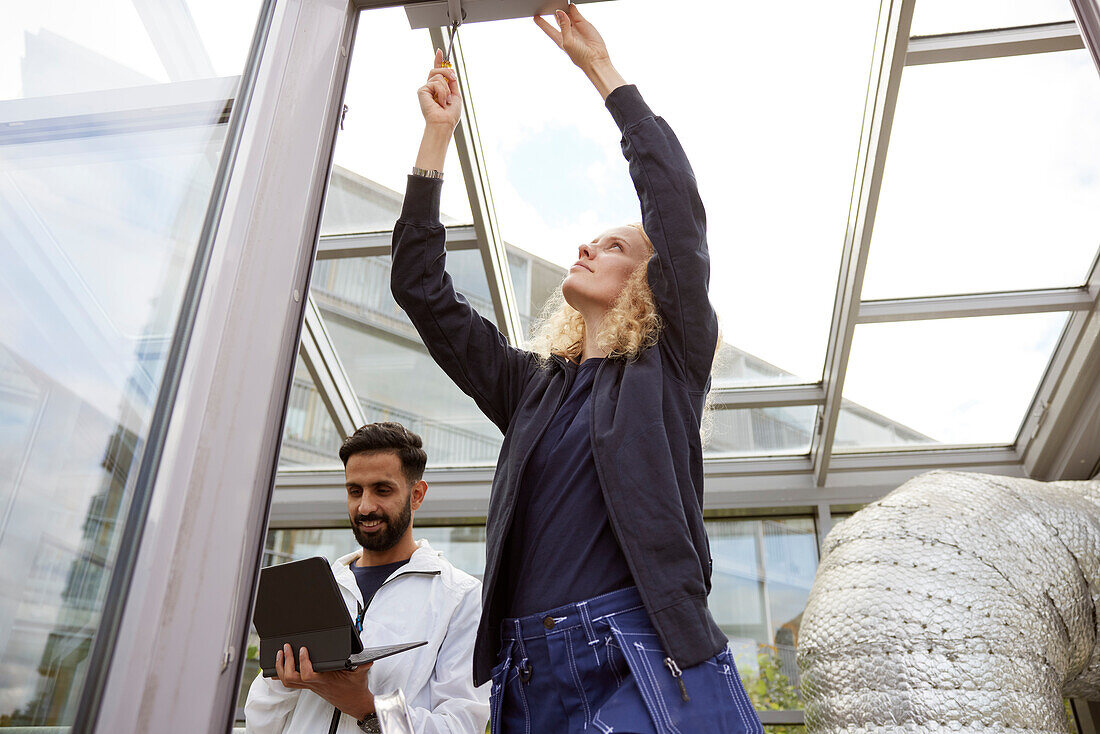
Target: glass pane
107	163
954	381
462	545
1001	193
534	280
734	367
859	426
558	175
758	431
389	367
310	437
70	46
955	16
376	148
763	571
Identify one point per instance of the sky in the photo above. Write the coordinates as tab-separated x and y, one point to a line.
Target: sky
990	182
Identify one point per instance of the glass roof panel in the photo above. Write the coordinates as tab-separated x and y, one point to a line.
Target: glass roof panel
376	148
740	103
954	381
758	431
310	437
956	16
75	46
389	367
990	182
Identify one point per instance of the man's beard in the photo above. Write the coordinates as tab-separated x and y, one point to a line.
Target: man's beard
393	528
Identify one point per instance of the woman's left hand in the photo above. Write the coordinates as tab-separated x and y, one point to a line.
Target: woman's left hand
577	37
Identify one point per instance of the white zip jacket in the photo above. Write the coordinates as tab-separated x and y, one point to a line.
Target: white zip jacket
426	599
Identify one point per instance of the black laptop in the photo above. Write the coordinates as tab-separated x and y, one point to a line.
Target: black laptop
299	604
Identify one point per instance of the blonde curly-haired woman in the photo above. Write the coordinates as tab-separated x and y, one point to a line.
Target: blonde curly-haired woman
597	562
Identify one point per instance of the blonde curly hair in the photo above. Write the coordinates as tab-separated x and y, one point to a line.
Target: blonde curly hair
631	325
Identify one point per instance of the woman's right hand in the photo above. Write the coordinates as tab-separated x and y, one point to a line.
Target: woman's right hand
440	100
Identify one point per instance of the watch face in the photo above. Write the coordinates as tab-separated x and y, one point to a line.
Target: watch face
370	724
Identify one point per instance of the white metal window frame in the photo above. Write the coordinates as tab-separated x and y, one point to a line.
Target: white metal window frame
177	659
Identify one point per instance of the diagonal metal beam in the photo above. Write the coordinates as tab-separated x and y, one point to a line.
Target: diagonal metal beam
891	41
324	366
976	304
1031	39
493	253
1058	437
1088	20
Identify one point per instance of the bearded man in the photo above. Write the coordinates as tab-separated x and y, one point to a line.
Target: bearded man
397	589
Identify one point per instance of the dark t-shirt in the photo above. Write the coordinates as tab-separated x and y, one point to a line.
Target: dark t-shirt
561	547
371	578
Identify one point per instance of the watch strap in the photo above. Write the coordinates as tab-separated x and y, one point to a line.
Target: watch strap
370	724
427	172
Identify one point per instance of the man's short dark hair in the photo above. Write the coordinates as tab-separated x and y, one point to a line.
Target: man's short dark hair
388	437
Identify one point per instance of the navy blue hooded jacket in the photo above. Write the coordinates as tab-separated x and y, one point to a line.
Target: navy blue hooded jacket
646	412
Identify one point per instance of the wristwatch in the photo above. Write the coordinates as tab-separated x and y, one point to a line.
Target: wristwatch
427	173
370	724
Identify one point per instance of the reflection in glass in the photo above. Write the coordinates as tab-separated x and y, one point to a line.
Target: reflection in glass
759	431
74	46
380	134
955	381
463	545
955	16
355	203
775	182
310	437
106	171
858	426
991	179
735	367
763	571
389	367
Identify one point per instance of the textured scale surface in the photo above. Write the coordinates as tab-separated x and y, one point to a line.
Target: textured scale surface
958	602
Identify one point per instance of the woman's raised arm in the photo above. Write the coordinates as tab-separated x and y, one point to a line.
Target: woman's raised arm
585	47
441	105
672	211
468	347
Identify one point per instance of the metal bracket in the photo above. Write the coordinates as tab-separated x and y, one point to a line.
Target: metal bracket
455	11
1039	413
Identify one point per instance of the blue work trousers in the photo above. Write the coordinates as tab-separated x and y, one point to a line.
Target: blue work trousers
597	666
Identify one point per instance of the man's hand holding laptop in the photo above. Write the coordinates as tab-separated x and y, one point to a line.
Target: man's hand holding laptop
345	689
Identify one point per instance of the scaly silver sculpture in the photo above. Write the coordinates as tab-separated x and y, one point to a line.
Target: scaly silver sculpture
958	602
